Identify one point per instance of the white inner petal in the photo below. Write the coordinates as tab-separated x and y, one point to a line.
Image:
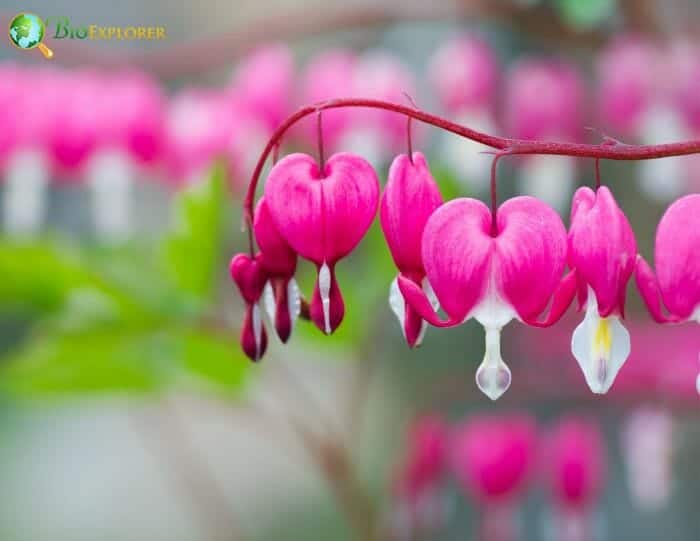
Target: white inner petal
601	346
293	300
493	312
397	304
24	200
324	289
110	180
257	331
268	297
493	375
432	297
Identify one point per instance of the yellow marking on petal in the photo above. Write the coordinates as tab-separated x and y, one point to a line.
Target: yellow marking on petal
602	339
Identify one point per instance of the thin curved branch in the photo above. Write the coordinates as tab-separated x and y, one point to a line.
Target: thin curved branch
604	150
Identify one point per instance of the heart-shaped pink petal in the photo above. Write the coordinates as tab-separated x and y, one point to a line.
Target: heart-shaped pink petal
322	215
456	254
530	254
277	257
410	197
602	247
249	275
677	253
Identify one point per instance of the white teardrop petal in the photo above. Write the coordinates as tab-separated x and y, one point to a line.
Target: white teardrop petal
268	298
430	293
601	346
324	289
397	304
293	300
493	375
257	330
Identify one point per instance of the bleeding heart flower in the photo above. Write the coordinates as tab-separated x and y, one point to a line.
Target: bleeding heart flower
575	463
410	197
198	130
250	277
423	465
545	99
326	77
492	456
628	74
464	73
282	298
323	214
677	256
602	252
493	272
264	81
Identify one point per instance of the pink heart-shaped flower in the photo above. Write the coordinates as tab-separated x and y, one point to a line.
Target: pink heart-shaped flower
250	277
323	215
520	266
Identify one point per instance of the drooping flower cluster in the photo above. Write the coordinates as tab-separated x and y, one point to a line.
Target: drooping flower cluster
494	460
465	259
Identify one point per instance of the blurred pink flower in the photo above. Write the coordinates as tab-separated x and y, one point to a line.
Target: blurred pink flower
492	456
544	99
684	76
647	448
198	130
627	83
423	465
132	115
464	74
575	463
380	75
264	82
327	76
75	129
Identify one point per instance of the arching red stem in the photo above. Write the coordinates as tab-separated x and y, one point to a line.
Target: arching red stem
605	150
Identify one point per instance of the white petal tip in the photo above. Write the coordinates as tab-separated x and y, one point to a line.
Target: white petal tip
493	380
601	346
493	375
324	287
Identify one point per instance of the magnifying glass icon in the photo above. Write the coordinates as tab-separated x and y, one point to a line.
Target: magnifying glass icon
27	32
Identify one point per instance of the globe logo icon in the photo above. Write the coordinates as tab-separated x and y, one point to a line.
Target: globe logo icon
27	32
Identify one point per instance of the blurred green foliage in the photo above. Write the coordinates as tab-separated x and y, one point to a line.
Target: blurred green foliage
123	319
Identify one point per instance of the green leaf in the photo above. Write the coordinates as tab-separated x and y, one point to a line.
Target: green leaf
89	362
48	277
38	276
122	361
213	359
192	247
586	14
